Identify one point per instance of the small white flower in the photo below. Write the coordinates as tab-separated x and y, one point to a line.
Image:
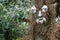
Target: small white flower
5	9
37	20
16	6
39	14
27	9
0	4
54	4
44	8
33	9
18	15
44	19
56	19
41	21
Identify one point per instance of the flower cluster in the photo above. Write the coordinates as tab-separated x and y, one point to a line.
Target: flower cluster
41	18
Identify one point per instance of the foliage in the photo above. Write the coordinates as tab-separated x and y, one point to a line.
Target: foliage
11	14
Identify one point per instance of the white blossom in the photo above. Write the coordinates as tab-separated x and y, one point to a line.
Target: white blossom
39	14
44	8
18	15
41	21
33	9
27	9
37	20
56	19
54	5
5	9
44	19
16	6
0	4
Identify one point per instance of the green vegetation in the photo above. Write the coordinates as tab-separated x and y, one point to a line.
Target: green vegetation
11	14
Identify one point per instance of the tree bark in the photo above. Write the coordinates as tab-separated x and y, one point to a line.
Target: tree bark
39	31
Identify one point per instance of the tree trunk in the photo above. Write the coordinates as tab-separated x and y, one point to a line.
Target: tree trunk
39	31
54	31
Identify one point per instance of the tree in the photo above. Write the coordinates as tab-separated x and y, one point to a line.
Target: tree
29	19
39	29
